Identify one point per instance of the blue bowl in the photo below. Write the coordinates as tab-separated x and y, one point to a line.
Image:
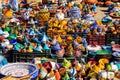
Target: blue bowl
20	70
107	48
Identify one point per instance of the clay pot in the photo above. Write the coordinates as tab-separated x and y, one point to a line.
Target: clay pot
115	0
108	3
100	4
92	1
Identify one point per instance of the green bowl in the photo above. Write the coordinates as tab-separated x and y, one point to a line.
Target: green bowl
103	52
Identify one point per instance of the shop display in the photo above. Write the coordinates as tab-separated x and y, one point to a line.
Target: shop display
60	40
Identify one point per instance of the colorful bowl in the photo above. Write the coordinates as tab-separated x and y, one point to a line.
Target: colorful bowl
93	48
116	47
116	54
20	70
103	52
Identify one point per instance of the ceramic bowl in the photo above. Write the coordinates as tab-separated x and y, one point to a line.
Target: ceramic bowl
116	54
20	70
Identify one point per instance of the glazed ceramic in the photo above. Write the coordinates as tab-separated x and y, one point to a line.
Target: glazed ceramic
116	54
93	48
92	1
19	70
116	47
103	52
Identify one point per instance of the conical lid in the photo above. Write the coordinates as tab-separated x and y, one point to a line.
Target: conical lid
5	34
46	47
66	63
76	45
13	41
59	39
32	32
66	77
12	36
56	46
16	47
39	48
44	38
6	29
1	31
26	40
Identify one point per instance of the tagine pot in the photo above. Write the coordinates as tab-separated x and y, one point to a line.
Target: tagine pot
92	1
116	56
100	4
108	3
43	16
115	0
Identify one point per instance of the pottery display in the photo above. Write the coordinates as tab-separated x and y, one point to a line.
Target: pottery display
78	46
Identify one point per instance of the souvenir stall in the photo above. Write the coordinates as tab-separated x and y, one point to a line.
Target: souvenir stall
40	42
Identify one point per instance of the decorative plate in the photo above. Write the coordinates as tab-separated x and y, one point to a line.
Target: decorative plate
18	69
116	47
94	48
116	54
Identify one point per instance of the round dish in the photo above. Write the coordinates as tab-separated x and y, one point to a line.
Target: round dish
116	47
93	48
103	52
19	70
113	15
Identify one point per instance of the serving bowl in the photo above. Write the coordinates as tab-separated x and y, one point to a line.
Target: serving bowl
19	70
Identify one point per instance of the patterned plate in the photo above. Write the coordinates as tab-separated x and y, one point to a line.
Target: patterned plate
18	69
116	54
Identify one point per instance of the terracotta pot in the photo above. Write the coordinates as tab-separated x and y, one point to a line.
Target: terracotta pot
108	0
92	1
100	4
108	3
115	0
